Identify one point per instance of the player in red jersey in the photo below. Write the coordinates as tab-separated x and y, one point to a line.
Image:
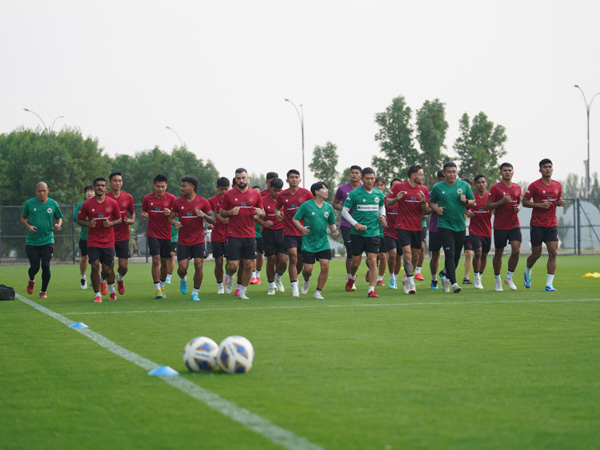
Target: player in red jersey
218	236
125	202
505	200
270	176
412	199
390	236
241	204
157	208
101	238
193	210
543	195
480	229
288	202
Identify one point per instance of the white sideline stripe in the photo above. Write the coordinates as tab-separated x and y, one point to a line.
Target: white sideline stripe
363	305
253	421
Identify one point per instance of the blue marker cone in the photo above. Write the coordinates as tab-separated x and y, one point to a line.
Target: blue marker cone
163	371
79	325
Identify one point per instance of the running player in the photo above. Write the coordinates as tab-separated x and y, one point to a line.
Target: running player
505	199
543	195
390	236
38	217
83	263
218	236
157	208
382	256
270	176
480	229
312	219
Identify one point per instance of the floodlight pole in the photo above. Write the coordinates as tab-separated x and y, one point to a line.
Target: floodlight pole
38	116
588	108
301	117
178	137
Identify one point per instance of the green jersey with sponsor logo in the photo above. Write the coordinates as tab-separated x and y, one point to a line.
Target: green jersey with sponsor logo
449	197
41	215
365	210
317	220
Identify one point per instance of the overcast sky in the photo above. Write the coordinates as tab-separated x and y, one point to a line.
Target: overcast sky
218	74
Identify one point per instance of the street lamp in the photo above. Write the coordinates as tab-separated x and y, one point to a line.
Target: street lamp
588	107
301	117
42	120
176	134
54	121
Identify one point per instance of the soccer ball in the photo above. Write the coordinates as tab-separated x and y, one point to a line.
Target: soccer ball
200	354
236	355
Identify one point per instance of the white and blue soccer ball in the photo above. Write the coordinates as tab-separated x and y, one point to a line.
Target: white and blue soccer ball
200	354
236	355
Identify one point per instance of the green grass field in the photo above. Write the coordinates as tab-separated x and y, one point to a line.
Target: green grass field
479	369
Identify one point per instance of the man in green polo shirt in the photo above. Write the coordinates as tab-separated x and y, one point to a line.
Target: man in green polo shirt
448	199
38	217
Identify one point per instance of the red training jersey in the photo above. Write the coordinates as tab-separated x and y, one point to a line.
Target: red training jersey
219	231
481	223
192	226
94	211
270	205
242	224
391	214
158	222
539	192
505	217
289	204
125	202
410	208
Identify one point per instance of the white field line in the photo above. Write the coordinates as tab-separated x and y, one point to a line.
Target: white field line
323	305
262	426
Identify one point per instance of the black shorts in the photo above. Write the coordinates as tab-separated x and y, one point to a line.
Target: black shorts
382	245
543	234
259	246
122	249
347	238
35	253
292	241
105	255
408	237
219	249
435	241
273	242
364	244
83	247
467	246
392	244
503	237
310	258
191	251
160	247
484	243
241	248
173	247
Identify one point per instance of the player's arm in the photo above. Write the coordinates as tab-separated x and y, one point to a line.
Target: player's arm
144	214
529	203
209	217
382	217
337	204
58	224
30	228
490	205
298	224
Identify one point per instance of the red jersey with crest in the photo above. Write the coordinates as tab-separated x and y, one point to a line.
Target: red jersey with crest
242	224
192	226
289	204
410	208
481	223
219	232
269	206
94	211
505	218
158	222
125	202
391	214
538	192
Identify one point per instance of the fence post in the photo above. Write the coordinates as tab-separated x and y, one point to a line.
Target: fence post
578	227
74	245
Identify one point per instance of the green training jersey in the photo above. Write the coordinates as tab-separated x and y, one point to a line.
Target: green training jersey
257	231
317	220
175	232
449	197
364	207
41	215
84	230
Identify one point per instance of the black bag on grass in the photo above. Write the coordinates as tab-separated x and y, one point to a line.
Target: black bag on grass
6	293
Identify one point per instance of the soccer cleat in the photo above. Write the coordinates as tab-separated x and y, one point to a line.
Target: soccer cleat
372	294
498	285
83	283
30	287
168	280
112	296
367	276
354	286
434	284
305	286
527	280
228	284
121	287
510	283
195	298
318	296
272	291
349	284
467	281
456	288
405	286
164	295
104	288
257	280
242	296
295	293
158	293
253	280
183	286
380	283
478	284
221	290
237	292
549	288
445	284
97	299
419	277
393	284
279	285
43	295
412	289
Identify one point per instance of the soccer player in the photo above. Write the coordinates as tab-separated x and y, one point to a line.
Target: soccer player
240	205
338	203
448	199
412	198
219	233
270	176
382	256
435	242
273	242
83	263
288	202
505	200
101	214
390	236
312	219
193	210
468	247
38	217
157	208
480	229
543	195
125	202
260	251
364	208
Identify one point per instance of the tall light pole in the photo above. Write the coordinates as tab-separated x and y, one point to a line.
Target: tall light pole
176	134
54	121
42	120
300	113
588	107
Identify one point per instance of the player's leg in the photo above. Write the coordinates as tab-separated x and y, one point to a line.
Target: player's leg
184	254
198	270
107	259
552	247
323	275
292	251
513	260
94	259
46	252
34	257
83	263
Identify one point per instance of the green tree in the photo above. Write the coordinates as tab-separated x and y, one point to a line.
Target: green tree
323	166
479	146
259	180
431	133
573	186
395	140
